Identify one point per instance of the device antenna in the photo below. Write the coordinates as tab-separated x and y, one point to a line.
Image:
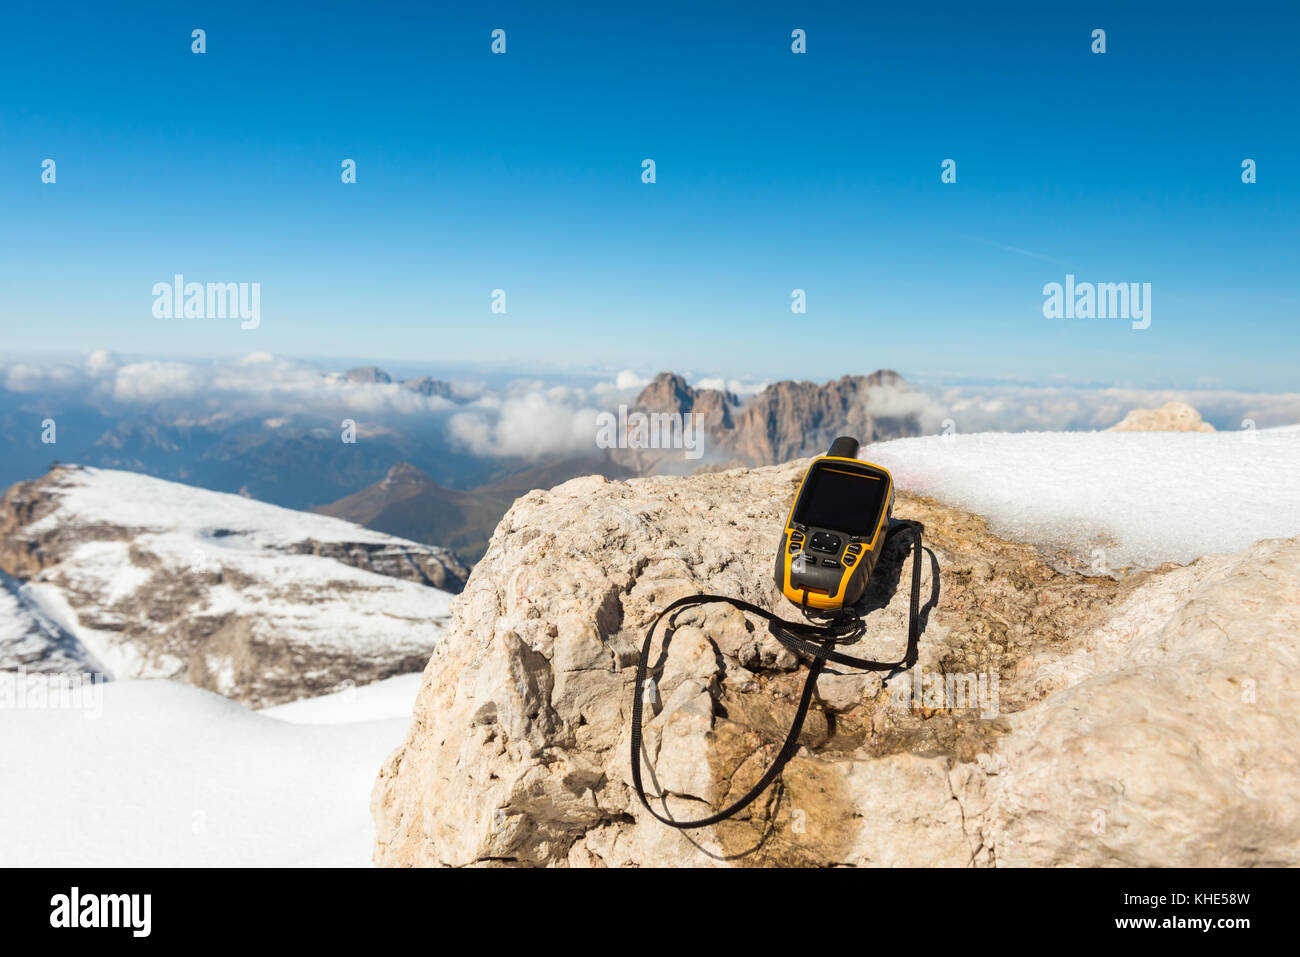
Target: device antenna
845	447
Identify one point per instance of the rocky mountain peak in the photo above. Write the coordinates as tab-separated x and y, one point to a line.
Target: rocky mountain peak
786	420
368	375
429	386
670	392
403	474
791	419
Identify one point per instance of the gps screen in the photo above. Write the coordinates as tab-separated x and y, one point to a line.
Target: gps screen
841	500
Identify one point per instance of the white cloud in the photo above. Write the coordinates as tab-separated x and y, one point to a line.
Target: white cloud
900	401
533	417
530	424
101	362
21	377
1034	408
742	388
155	381
627	384
257	385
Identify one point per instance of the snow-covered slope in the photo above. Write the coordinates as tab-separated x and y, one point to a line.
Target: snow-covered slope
390	698
1119	499
263	604
31	641
88	496
169	775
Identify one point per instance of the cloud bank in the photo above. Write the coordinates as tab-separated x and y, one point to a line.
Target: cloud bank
535	418
528	421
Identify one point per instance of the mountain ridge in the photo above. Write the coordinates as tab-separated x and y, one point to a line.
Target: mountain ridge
259	603
785	420
408	503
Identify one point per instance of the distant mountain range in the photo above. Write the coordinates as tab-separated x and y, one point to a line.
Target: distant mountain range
424	385
294	461
408	503
786	420
114	571
408	473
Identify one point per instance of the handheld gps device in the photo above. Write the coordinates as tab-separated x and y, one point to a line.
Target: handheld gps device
835	530
833	536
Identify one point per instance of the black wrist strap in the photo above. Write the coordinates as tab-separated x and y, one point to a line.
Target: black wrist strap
800	637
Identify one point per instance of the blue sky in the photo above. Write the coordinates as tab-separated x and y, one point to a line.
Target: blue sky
775	171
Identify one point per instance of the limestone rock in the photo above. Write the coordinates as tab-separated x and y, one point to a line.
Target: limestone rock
1119	697
1174	740
1170	417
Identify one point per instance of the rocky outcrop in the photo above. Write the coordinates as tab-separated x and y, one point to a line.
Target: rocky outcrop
262	604
1168	736
1170	417
1053	718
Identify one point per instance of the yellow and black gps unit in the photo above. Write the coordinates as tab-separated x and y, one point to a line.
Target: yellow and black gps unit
835	530
834	534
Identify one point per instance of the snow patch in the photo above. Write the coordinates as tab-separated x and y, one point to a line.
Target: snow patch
390	698
172	776
1142	498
